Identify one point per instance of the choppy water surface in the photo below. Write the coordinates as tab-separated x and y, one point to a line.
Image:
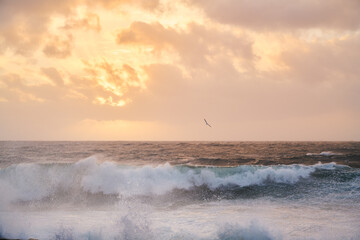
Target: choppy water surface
180	190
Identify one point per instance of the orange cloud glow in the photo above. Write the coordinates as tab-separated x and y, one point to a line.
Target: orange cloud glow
152	70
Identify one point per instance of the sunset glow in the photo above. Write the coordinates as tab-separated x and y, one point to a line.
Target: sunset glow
153	69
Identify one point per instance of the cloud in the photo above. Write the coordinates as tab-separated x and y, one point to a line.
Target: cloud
116	83
90	21
53	75
110	4
17	88
329	61
105	84
197	46
58	47
24	24
283	14
13	88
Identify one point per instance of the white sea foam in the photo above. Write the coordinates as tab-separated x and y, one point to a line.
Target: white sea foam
325	154
26	182
128	227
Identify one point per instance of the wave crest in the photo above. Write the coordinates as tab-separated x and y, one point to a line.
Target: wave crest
324	154
26	182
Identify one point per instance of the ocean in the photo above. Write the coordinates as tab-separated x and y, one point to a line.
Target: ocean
179	190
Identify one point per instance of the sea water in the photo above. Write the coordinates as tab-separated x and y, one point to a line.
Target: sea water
180	190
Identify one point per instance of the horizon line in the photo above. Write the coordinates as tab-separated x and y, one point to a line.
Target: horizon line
27	140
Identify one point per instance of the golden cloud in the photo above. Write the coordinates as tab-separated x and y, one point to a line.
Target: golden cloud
117	82
58	46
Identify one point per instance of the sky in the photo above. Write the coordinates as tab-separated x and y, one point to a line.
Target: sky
257	70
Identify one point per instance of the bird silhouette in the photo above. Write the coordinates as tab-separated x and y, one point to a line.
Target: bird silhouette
207	123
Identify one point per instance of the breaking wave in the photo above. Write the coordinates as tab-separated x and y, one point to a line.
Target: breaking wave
28	182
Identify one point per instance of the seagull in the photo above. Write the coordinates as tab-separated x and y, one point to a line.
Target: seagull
207	122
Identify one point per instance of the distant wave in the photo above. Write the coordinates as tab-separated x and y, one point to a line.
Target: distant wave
326	154
27	182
